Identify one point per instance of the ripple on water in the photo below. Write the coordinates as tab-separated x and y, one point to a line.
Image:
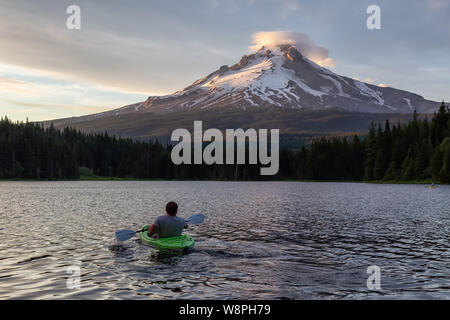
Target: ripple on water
260	240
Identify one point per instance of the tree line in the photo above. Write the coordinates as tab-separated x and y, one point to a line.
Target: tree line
418	150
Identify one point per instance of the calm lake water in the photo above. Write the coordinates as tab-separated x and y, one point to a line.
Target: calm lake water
260	240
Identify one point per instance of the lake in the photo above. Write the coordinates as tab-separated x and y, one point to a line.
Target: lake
260	240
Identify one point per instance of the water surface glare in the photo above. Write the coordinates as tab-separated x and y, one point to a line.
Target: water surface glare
260	240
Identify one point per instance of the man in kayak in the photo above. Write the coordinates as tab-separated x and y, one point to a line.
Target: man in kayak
168	225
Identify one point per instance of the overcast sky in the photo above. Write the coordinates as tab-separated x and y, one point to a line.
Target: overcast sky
128	50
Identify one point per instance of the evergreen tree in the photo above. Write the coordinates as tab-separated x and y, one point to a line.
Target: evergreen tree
413	151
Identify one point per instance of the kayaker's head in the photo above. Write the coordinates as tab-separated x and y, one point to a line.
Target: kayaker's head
171	208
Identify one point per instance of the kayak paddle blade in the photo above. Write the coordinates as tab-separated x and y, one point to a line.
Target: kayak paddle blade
196	219
123	235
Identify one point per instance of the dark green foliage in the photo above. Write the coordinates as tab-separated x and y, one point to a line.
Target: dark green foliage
414	151
444	173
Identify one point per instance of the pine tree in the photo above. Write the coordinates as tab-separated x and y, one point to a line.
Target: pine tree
444	173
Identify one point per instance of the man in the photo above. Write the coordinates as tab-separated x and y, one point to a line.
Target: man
168	225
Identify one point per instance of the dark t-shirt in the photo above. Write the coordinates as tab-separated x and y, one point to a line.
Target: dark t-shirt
168	226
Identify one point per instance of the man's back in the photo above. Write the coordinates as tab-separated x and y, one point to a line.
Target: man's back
169	226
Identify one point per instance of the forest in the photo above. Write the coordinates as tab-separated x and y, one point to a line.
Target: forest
416	151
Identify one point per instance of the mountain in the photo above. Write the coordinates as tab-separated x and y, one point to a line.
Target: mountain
283	77
275	82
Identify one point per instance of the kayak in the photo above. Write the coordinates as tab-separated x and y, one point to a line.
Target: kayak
432	187
180	242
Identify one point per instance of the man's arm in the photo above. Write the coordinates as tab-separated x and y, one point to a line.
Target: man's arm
153	229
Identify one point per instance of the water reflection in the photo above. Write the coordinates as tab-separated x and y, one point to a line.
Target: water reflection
277	240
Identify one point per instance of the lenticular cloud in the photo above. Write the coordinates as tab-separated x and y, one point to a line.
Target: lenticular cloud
301	41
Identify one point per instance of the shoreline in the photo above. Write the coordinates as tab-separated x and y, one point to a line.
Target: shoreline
423	182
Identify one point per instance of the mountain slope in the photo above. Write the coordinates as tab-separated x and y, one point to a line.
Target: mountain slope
295	125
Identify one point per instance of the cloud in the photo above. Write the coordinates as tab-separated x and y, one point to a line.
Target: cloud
21	91
130	53
15	86
73	58
77	107
301	41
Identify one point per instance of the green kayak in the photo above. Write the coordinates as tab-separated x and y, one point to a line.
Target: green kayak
181	242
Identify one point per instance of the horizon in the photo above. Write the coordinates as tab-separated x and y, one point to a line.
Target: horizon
124	53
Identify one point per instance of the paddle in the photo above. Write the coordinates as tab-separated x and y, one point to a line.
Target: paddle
123	235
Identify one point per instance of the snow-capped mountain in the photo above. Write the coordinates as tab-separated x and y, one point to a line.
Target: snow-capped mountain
272	88
282	77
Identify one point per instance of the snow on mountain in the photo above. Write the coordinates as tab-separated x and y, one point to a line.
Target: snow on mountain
283	77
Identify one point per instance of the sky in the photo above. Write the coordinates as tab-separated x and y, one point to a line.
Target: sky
126	51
